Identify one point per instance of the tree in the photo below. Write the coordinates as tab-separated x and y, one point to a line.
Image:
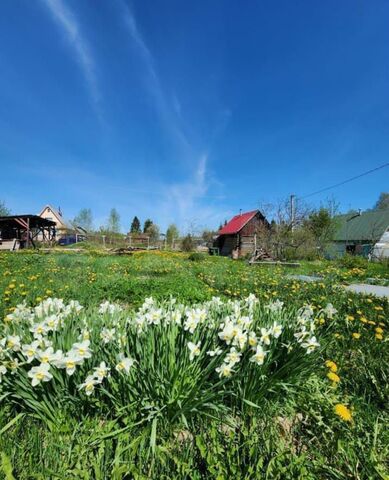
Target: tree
383	201
207	236
135	225
4	211
322	226
187	243
147	224
153	232
84	219
172	234
113	221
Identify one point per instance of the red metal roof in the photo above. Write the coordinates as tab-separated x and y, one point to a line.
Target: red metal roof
237	223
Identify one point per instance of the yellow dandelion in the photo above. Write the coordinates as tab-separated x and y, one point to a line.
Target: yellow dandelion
331	365
356	335
379	336
350	318
379	330
343	412
333	377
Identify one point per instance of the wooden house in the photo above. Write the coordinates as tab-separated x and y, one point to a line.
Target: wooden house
238	237
66	233
365	234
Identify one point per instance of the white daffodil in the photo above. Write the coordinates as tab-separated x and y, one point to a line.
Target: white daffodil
89	384
276	330
176	317
244	322
154	316
240	339
302	334
85	335
110	308
74	306
228	332
253	340
3	371
275	306
233	357
107	334
191	321
265	336
13	342
38	329
194	349
225	370
311	344
49	356
259	355
70	362
30	350
40	374
124	364
52	322
101	371
330	311
214	353
82	349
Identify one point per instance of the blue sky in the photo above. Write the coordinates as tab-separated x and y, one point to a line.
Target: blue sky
188	111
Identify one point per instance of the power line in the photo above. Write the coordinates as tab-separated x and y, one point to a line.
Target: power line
346	181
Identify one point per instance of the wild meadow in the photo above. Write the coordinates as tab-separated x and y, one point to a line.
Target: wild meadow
182	366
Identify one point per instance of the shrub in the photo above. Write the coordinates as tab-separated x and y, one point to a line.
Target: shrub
352	261
196	257
187	243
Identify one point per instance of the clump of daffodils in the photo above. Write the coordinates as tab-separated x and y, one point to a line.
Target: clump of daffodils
57	339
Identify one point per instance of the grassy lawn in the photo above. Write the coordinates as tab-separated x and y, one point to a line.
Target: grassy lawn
192	386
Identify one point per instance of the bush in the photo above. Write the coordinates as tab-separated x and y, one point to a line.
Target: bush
352	261
196	257
187	243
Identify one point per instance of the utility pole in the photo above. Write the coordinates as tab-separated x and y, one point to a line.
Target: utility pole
292	210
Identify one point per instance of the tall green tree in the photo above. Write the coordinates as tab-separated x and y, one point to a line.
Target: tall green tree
382	202
84	219
187	244
114	221
147	224
135	225
172	234
4	211
153	232
321	225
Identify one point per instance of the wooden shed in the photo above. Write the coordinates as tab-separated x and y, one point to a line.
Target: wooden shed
239	236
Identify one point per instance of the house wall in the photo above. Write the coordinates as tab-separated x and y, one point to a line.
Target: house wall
381	248
245	239
227	243
61	231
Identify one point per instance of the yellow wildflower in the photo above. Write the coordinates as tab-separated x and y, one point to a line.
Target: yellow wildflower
331	365
379	330
379	336
343	412
333	377
350	317
356	335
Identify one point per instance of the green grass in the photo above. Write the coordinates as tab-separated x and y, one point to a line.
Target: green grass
279	424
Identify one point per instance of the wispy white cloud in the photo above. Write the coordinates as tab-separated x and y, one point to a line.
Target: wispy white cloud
187	201
70	27
166	110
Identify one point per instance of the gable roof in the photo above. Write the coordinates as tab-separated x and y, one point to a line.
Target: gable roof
237	223
369	226
57	215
